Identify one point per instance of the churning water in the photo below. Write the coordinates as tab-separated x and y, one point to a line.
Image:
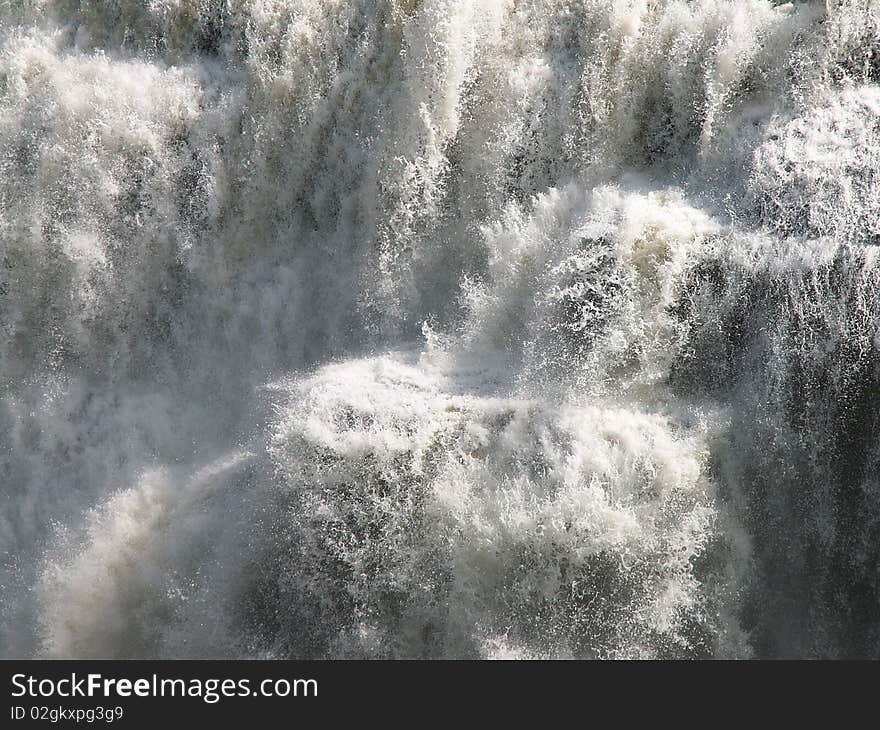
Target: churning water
439	328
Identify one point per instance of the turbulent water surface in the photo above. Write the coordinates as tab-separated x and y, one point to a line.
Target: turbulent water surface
439	328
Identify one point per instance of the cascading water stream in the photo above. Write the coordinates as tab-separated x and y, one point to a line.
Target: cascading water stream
428	328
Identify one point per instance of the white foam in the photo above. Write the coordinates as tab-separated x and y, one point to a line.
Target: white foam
436	328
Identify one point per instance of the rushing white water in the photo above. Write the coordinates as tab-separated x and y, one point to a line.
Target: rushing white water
430	328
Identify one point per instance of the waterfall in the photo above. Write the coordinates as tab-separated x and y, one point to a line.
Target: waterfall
439	329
